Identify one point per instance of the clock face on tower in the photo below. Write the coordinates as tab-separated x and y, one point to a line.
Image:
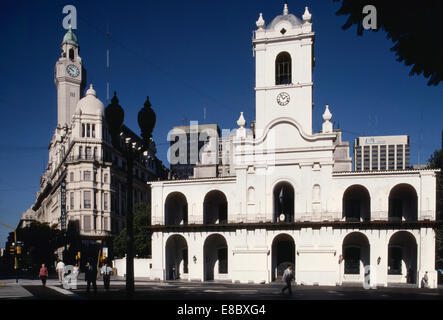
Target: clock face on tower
283	99
72	70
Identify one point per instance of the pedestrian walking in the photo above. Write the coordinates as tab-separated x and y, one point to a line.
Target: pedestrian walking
288	276
174	273
106	271
43	274
75	272
425	281
90	277
60	268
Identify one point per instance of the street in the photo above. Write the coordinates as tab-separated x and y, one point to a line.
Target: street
145	290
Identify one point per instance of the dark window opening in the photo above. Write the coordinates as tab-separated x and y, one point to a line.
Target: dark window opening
283	69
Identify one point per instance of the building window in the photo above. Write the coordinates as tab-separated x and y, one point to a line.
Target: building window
87	223
88	153
83	130
105	178
93	130
87	175
87	200
283	65
80	152
88	130
105	201
71	200
105	223
71	177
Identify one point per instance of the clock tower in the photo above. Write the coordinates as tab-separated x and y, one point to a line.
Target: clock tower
284	62
70	79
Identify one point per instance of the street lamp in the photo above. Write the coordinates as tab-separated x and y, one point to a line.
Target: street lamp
131	150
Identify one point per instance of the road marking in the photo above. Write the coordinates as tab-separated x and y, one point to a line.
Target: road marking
336	293
66	292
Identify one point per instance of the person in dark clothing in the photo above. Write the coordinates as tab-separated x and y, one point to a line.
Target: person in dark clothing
288	276
90	277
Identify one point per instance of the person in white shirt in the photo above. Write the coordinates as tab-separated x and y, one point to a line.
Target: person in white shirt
75	272
106	271
60	268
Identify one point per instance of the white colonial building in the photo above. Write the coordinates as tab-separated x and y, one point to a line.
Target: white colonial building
290	196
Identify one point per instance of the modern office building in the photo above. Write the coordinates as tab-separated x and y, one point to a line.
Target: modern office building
190	143
381	153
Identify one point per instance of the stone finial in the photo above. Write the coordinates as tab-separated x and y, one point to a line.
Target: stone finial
307	15
91	91
260	22
241	122
241	131
327	125
285	9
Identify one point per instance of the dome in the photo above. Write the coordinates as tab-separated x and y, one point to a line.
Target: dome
293	20
70	38
90	104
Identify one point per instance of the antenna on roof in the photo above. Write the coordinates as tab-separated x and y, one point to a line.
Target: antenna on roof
421	137
108	71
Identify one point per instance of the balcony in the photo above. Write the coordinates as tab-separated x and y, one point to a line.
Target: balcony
85	157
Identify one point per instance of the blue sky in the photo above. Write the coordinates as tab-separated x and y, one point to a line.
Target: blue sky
190	55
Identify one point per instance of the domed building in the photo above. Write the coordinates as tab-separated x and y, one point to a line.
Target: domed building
84	189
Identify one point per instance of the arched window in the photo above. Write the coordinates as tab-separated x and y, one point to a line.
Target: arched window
283	69
176	209
215	208
71	54
403	203
356	204
283	202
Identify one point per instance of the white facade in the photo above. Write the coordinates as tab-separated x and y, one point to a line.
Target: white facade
292	197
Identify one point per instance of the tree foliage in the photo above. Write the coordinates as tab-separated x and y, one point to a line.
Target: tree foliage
40	242
142	236
436	162
414	27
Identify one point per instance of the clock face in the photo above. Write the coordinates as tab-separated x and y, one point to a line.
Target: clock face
72	70
283	99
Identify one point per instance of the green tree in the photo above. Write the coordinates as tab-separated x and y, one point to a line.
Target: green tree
40	242
411	25
142	236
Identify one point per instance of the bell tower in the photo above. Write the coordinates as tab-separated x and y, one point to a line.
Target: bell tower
70	79
284	63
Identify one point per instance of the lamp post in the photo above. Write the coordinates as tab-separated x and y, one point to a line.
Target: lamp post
130	150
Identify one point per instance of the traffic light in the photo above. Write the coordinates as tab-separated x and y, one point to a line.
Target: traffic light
12	249
19	250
